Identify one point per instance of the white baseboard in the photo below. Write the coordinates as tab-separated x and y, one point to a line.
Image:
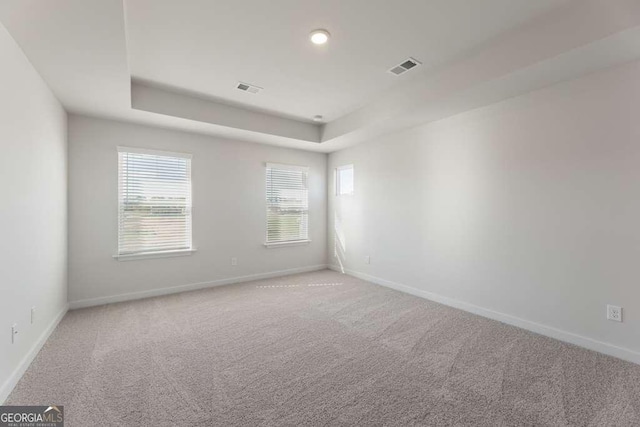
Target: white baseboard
189	287
17	373
571	338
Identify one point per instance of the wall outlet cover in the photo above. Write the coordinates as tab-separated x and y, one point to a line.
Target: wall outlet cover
614	313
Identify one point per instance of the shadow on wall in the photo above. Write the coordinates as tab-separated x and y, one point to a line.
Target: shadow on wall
339	247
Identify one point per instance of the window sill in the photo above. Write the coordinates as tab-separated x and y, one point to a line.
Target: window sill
151	255
285	244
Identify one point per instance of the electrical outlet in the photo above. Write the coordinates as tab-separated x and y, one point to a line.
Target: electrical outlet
234	261
33	315
367	259
14	332
614	313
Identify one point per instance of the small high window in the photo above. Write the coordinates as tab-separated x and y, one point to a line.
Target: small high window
344	180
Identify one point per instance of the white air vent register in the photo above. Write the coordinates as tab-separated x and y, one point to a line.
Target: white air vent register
246	87
405	66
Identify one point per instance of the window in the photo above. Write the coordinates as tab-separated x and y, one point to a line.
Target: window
344	180
287	204
154	202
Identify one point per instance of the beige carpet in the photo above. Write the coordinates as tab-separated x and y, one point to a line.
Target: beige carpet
318	349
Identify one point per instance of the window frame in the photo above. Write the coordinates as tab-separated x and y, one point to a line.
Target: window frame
337	180
285	243
128	256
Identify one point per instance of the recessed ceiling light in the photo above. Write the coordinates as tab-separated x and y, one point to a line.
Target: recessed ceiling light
319	36
317	118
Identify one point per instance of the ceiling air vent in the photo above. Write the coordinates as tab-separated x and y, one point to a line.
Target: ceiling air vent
405	66
246	87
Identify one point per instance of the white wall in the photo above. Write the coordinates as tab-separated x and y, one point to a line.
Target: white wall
33	211
528	208
229	212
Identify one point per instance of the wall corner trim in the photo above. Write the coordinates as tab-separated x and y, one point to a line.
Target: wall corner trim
24	364
548	331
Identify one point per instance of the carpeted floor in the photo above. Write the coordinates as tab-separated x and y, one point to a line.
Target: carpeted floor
317	349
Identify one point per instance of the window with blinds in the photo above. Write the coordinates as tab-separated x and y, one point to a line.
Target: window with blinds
287	204
154	192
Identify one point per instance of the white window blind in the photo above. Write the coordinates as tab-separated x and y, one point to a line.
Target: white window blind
287	203
154	191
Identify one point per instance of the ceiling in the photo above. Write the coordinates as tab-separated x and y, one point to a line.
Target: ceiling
175	64
206	47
